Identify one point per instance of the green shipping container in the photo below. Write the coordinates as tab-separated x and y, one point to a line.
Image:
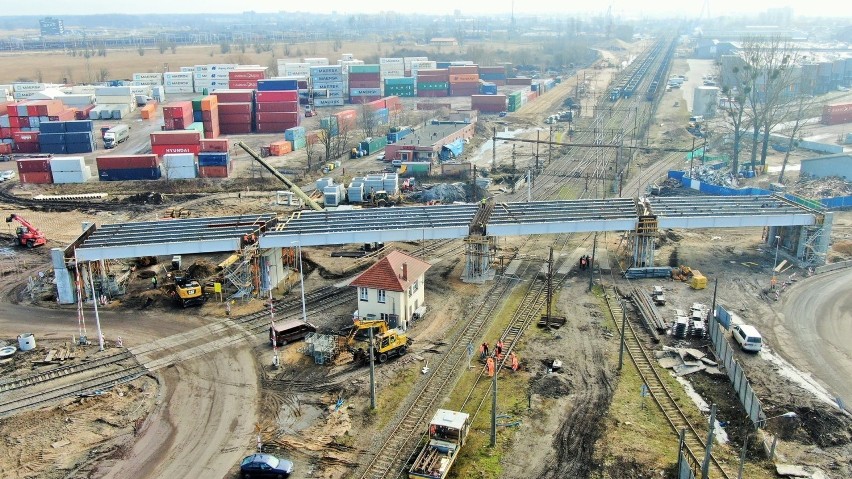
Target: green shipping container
197	126
374	144
513	107
364	69
298	143
196	103
433	86
409	81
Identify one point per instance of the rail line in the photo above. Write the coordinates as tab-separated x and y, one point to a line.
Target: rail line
62	371
661	395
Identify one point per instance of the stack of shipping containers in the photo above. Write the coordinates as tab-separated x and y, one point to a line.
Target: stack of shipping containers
837	113
516	100
128	167
345	64
209	115
298	70
178	82
115	102
245	78
464	80
277	105
345	120
20	125
328	86
167	142
66	137
411	64
179	166
365	83
495	75
433	83
236	110
36	170
69	169
178	115
403	87
391	68
213	162
212	76
488	103
150	79
296	136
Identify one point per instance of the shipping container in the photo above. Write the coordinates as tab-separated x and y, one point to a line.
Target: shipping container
178	160
213	159
160	150
213	171
234	96
175	138
25	136
235	119
34	165
836	114
284	106
242	84
66	177
277	96
234	108
320	102
67	164
278	84
248	74
293	133
280	148
127	161
278	117
274	127
36	177
365	92
129	174
235	128
215	146
298	143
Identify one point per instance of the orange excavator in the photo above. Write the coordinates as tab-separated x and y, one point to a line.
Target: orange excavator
27	234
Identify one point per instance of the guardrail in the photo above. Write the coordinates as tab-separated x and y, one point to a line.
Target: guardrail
833	266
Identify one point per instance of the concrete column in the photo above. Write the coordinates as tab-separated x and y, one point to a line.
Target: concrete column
64	283
275	267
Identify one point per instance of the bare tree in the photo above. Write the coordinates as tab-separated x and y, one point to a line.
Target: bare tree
369	121
735	91
103	74
796	112
311	151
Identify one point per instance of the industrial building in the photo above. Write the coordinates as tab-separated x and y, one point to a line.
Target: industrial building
425	144
824	71
829	165
51	26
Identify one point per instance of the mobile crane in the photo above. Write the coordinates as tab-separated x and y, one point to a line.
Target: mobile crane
27	234
389	342
292	186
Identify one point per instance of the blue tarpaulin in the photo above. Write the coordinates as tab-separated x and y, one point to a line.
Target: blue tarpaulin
451	150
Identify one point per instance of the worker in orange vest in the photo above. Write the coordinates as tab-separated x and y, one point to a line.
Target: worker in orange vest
514	360
489	365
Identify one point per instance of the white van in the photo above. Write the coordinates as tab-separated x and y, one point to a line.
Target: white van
748	337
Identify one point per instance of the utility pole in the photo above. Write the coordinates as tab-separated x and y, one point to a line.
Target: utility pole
623	326
494	404
713	306
529	185
549	285
691	157
537	140
95	303
475	193
372	374
705	466
494	149
550	144
592	263
514	169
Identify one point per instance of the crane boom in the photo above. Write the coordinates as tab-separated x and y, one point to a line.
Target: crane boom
27	234
290	185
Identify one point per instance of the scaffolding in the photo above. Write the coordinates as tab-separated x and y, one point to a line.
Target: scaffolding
479	253
643	241
240	272
324	348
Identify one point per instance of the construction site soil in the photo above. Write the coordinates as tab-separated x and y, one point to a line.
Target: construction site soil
198	417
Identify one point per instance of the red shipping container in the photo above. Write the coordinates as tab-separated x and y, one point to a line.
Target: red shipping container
41	178
464	78
291	106
240	118
364	84
494	70
11	109
463	69
213	171
177	109
519	81
237	84
5	133
278	117
234	96
246	75
211	134
269	96
5	148
27	148
360	100
364	77
35	165
234	128
25	136
175	138
215	146
161	150
120	162
433	106
234	108
15	121
277	127
181	123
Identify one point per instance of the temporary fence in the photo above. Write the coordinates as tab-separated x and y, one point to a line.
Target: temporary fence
736	374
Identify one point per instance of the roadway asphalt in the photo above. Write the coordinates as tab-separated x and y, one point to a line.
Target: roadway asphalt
814	331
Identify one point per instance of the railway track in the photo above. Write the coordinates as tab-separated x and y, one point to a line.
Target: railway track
62	371
695	444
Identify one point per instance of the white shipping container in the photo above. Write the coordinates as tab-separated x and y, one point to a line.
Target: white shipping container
179	82
178	89
201	68
21	95
113	91
328	102
329	86
316	61
423	65
177	75
181	173
140	90
365	92
64	177
222	67
70	164
148	83
391	61
87	89
80	99
22	87
326	70
148	76
327	79
337	94
114	100
347	56
179	160
186	69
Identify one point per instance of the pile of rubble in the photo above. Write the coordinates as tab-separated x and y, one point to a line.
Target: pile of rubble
443	193
821	187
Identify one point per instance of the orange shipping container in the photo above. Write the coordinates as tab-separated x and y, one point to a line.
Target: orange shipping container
209	102
464	78
148	111
280	148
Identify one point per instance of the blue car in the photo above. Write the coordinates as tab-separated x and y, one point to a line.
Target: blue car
265	465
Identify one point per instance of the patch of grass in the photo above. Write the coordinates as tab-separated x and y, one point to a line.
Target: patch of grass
569	192
389	394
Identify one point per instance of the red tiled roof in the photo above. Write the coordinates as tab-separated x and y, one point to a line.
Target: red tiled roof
387	273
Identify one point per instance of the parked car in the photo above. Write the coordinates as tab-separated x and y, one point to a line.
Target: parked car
381	156
747	337
265	465
6	175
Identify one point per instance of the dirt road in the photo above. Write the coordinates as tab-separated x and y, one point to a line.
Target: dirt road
194	432
814	329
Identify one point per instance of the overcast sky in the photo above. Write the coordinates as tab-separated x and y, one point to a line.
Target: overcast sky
834	8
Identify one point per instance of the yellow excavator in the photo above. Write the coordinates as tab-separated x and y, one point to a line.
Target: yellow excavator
389	343
186	291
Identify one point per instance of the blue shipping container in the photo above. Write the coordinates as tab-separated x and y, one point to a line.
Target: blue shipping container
197	116
52	138
213	159
291	134
84	137
52	127
277	85
75	148
130	174
57	149
78	126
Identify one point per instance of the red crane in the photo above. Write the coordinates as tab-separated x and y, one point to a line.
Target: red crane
27	234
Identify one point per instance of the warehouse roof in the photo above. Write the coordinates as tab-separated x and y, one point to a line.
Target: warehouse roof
388	273
430	134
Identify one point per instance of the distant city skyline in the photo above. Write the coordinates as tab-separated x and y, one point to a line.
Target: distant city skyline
648	8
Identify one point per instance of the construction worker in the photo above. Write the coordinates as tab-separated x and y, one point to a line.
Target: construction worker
514	360
154	282
498	349
483	351
489	365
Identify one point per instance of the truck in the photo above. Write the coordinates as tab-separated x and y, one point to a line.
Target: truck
26	234
116	135
389	342
447	433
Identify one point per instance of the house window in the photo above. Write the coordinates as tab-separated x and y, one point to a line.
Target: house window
362	294
413	288
381	296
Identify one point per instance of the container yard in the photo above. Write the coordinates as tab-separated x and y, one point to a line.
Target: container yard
486	221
